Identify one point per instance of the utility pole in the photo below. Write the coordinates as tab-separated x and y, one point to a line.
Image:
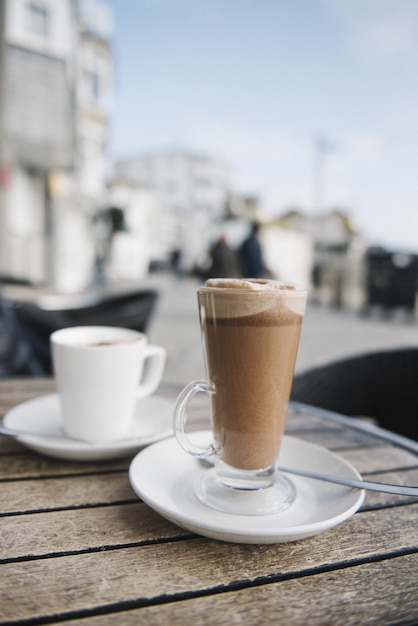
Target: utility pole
322	148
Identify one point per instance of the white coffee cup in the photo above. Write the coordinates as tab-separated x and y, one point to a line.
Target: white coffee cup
100	372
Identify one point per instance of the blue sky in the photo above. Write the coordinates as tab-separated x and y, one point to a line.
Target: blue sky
257	82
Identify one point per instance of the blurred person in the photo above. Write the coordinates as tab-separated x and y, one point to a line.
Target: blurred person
176	262
224	262
251	255
99	267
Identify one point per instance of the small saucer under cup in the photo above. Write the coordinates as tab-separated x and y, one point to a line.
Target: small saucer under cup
152	422
163	476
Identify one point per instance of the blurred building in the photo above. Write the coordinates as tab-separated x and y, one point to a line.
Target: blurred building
142	237
338	253
56	82
192	192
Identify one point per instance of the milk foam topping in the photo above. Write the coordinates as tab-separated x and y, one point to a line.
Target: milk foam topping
237	297
253	284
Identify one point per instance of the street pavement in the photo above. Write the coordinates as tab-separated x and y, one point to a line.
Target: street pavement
327	334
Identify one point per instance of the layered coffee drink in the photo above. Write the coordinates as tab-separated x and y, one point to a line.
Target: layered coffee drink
251	331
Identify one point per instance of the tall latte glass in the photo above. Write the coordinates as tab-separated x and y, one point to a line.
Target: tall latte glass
250	332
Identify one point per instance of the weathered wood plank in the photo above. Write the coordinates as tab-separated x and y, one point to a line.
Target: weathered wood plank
9	445
32	465
88	581
337	439
15	391
22	496
29	464
322	600
23	385
380	458
375	498
77	530
69	492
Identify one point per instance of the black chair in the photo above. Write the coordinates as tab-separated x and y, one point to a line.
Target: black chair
382	385
17	356
129	310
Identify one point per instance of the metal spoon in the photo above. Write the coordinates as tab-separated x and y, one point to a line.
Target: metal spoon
402	490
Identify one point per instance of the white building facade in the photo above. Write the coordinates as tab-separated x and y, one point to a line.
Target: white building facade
56	82
192	192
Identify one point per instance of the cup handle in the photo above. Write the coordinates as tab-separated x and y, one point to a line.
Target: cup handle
154	363
180	418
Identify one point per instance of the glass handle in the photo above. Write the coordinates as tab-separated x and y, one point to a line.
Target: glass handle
180	418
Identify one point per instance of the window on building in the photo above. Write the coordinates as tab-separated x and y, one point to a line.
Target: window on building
38	19
92	82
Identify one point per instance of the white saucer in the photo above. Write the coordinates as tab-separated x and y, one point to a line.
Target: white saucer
163	476
152	421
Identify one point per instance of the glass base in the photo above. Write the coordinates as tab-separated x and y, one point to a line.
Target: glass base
275	498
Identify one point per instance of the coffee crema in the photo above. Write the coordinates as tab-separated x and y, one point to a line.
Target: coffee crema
109	342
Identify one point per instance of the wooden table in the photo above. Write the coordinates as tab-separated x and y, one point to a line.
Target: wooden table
77	546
